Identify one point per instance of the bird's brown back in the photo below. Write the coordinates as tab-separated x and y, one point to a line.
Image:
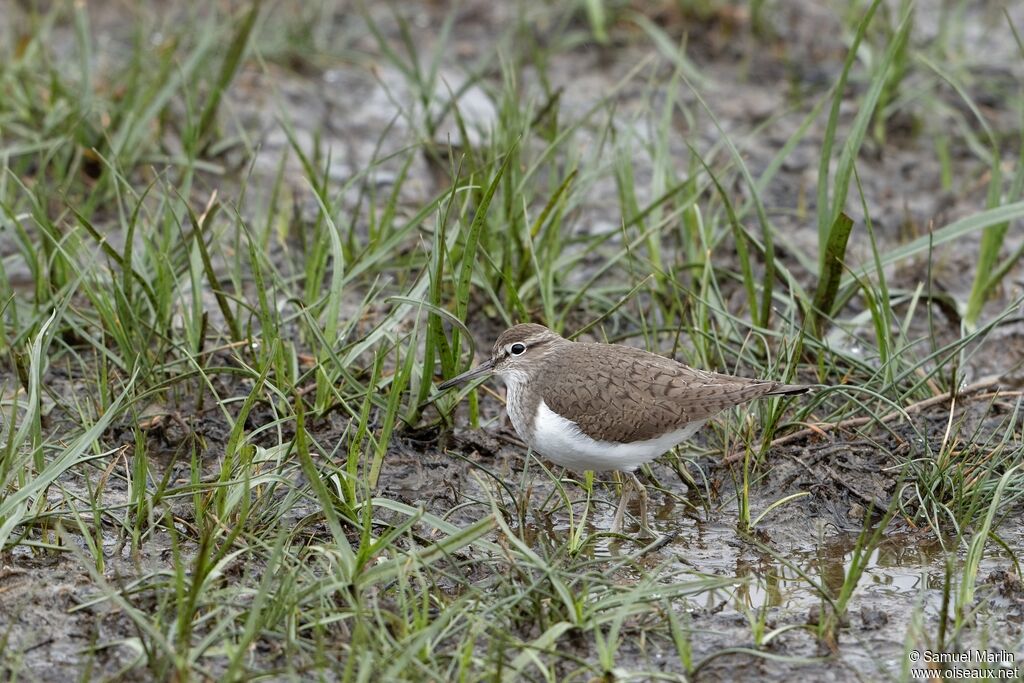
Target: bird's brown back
623	394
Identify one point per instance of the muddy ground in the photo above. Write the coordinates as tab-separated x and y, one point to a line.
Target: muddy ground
760	87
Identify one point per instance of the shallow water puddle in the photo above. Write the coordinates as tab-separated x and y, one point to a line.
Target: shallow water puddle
894	568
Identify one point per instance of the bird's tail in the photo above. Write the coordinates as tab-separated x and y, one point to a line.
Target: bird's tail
789	389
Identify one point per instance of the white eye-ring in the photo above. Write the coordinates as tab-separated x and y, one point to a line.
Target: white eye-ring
517	349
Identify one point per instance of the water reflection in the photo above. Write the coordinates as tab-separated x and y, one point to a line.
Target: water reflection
899	564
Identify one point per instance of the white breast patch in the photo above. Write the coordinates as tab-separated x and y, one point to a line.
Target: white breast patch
561	441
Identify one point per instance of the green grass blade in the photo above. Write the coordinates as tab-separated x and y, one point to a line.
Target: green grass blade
831	272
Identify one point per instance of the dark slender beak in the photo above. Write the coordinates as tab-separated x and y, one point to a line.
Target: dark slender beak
484	368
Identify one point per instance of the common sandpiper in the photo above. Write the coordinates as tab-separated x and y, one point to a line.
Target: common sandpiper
601	407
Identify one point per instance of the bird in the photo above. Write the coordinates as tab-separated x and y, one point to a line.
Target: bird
607	407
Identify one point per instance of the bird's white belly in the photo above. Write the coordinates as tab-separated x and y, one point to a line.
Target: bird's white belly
561	441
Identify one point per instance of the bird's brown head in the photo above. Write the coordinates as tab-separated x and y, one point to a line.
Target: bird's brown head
516	350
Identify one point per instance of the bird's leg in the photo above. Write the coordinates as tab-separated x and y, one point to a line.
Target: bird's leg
645	531
620	512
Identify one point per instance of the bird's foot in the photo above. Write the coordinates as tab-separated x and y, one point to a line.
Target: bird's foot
631	482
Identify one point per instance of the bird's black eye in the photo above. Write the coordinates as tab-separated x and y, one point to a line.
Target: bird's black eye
517	349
